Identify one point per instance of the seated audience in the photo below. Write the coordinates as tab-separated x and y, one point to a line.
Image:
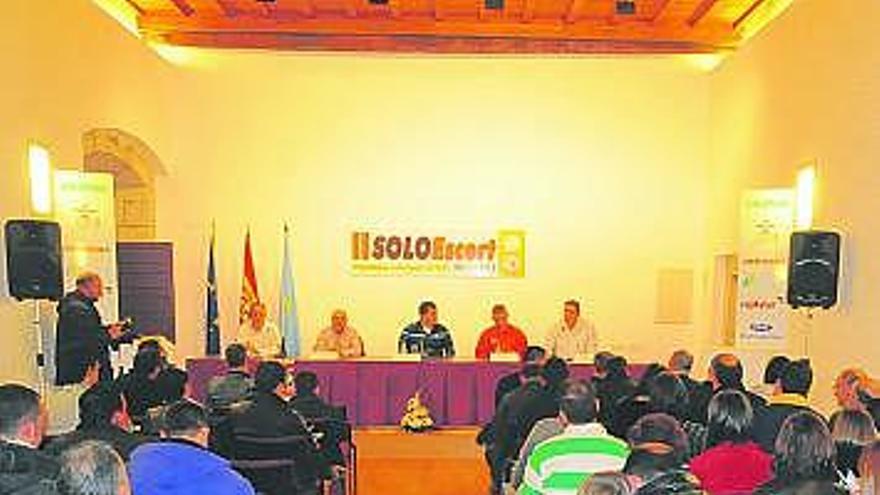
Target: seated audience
614	388
732	463
803	458
320	416
235	387
426	336
600	366
340	337
725	373
23	469
607	484
172	381
854	390
561	464
794	385
655	465
772	375
144	390
502	337
270	415
851	430
681	364
103	417
536	399
181	464
869	467
92	468
533	359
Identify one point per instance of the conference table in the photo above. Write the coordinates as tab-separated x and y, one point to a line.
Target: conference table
458	392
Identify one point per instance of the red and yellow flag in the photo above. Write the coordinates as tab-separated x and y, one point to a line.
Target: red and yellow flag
249	293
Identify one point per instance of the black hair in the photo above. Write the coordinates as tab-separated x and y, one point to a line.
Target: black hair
555	372
730	418
616	368
797	378
183	417
660	436
236	355
600	361
728	370
305	382
804	449
18	405
99	403
269	375
425	306
774	369
146	362
575	304
668	394
578	402
534	354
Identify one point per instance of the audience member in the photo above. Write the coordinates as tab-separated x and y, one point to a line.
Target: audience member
732	463
23	469
851	431
869	469
235	387
659	447
600	366
855	390
773	374
561	464
794	386
536	399
606	484
103	417
614	388
725	373
533	359
320	416
502	337
681	364
172	381
803	459
92	468
181	463
141	386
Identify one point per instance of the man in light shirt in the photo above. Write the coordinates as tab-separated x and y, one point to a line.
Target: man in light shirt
340	338
574	336
260	337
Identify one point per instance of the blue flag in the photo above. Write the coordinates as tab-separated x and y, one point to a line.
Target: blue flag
288	317
212	313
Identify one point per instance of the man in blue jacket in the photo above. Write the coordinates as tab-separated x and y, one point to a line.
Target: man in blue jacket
181	463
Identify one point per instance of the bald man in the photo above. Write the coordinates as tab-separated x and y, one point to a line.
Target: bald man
340	338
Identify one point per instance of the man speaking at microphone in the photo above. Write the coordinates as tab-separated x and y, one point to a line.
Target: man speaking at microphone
82	339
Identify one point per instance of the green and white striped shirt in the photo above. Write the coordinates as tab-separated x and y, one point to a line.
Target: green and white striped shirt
560	465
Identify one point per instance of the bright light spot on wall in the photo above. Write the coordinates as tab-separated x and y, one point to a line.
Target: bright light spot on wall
121	11
806	185
40	169
182	56
704	62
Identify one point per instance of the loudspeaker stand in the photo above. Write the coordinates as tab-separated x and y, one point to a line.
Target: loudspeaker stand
40	357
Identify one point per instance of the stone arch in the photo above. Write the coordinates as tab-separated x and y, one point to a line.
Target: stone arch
135	167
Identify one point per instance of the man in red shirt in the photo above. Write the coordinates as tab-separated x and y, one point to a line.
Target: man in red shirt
502	337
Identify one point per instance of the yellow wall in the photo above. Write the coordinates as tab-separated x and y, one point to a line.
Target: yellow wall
807	90
602	161
66	68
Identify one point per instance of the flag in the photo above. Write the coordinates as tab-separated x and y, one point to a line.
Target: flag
249	294
287	312
212	313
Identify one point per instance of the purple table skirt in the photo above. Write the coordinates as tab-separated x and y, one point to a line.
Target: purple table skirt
375	392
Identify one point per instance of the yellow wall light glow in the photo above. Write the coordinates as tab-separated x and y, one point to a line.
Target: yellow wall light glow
806	184
40	169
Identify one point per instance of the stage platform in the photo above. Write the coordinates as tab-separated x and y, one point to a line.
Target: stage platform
442	462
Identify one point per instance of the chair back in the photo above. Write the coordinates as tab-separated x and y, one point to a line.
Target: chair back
270	463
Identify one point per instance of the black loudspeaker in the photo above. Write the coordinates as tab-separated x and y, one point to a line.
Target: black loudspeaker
33	259
813	269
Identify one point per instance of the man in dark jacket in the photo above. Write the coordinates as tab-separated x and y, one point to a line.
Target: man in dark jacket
181	464
23	469
81	338
330	421
725	373
235	387
103	416
427	336
794	383
534	357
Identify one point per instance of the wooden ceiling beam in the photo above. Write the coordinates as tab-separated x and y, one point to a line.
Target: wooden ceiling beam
228	8
184	7
661	7
748	13
700	12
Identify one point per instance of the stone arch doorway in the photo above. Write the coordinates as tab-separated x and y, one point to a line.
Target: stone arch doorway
135	167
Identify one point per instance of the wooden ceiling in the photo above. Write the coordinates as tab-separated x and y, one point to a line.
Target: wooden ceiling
451	26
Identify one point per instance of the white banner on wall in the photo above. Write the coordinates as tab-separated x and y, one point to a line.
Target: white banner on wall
766	223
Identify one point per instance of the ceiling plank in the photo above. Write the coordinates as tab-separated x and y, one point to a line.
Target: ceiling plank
748	13
700	12
661	7
184	7
228	8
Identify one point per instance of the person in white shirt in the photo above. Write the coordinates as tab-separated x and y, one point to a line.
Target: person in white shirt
259	336
574	336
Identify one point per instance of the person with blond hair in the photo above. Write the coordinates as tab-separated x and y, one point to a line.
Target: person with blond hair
851	430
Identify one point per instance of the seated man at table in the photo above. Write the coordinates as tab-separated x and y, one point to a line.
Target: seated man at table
259	336
340	338
574	336
502	337
426	336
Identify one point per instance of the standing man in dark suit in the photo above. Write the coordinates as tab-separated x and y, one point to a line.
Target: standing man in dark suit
82	339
